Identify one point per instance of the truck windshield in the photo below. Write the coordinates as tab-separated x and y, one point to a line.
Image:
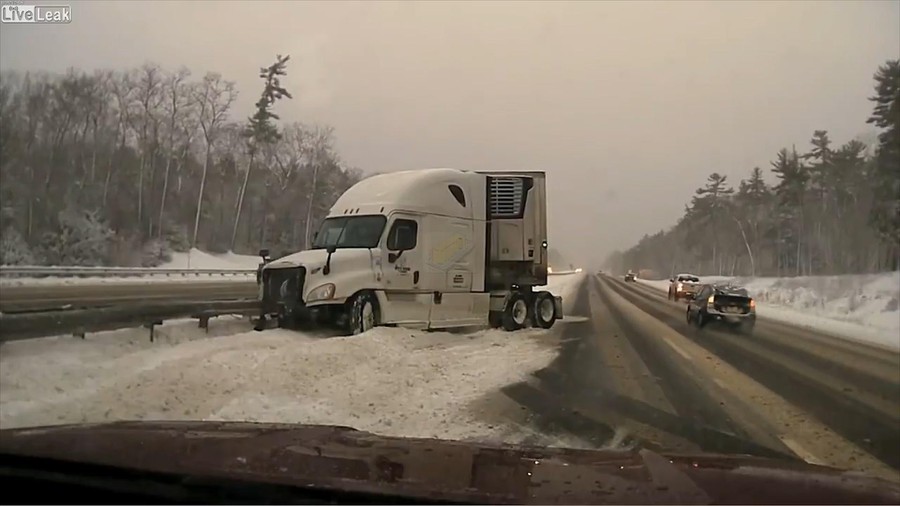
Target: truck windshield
350	232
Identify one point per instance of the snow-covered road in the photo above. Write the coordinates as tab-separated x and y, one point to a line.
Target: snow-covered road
862	307
388	381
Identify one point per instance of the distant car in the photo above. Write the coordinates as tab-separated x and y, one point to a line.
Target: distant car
722	305
683	286
630	276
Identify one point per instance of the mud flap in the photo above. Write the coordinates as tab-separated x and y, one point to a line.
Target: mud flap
558	307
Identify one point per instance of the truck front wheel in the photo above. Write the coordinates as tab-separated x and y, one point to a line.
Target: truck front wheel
516	313
363	313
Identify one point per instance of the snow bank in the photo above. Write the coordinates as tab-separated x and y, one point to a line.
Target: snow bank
863	307
564	285
196	259
389	381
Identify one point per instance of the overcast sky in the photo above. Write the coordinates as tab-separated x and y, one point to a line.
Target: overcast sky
627	106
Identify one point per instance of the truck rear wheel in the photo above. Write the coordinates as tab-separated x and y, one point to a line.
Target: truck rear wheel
544	308
516	313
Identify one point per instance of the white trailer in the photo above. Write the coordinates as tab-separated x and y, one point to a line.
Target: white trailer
430	248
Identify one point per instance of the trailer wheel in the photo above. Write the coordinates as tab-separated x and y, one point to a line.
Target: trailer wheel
544	310
363	313
516	313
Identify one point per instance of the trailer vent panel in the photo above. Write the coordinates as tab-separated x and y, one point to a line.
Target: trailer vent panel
507	197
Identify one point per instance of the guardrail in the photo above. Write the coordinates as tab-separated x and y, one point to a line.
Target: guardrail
32	297
25	271
14	327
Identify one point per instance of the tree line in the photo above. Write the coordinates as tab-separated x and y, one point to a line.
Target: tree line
834	209
123	167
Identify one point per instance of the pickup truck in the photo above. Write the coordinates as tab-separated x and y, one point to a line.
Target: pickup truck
683	286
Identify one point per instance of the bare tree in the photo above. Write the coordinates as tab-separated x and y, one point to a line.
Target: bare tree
150	97
73	147
178	105
214	97
321	150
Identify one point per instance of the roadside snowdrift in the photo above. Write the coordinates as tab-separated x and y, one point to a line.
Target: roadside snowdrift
388	381
864	307
196	259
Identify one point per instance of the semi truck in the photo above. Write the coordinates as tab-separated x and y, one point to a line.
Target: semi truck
426	249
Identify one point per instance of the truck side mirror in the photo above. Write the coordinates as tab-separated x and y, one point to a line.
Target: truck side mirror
264	253
671	280
330	249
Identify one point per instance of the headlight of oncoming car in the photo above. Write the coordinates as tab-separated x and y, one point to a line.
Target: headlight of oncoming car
323	292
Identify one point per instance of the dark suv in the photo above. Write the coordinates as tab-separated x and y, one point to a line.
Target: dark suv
722	304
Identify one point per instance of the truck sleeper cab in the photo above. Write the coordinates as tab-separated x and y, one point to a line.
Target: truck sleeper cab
431	248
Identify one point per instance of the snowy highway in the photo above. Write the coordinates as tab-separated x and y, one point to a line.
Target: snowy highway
636	364
622	367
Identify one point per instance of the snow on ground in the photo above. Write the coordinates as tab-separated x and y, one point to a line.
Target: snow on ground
389	381
861	306
564	285
196	259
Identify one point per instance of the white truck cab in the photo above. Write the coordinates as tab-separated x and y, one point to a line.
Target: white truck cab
430	248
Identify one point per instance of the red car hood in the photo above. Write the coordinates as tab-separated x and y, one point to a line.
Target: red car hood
355	461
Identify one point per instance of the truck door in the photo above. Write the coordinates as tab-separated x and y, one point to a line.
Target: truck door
450	255
407	303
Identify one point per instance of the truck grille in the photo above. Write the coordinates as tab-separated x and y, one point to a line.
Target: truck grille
282	288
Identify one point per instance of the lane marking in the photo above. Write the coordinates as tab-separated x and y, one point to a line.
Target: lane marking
721	383
678	349
800	451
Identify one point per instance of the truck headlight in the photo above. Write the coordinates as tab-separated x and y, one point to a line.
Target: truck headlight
711	300
323	292
679	287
